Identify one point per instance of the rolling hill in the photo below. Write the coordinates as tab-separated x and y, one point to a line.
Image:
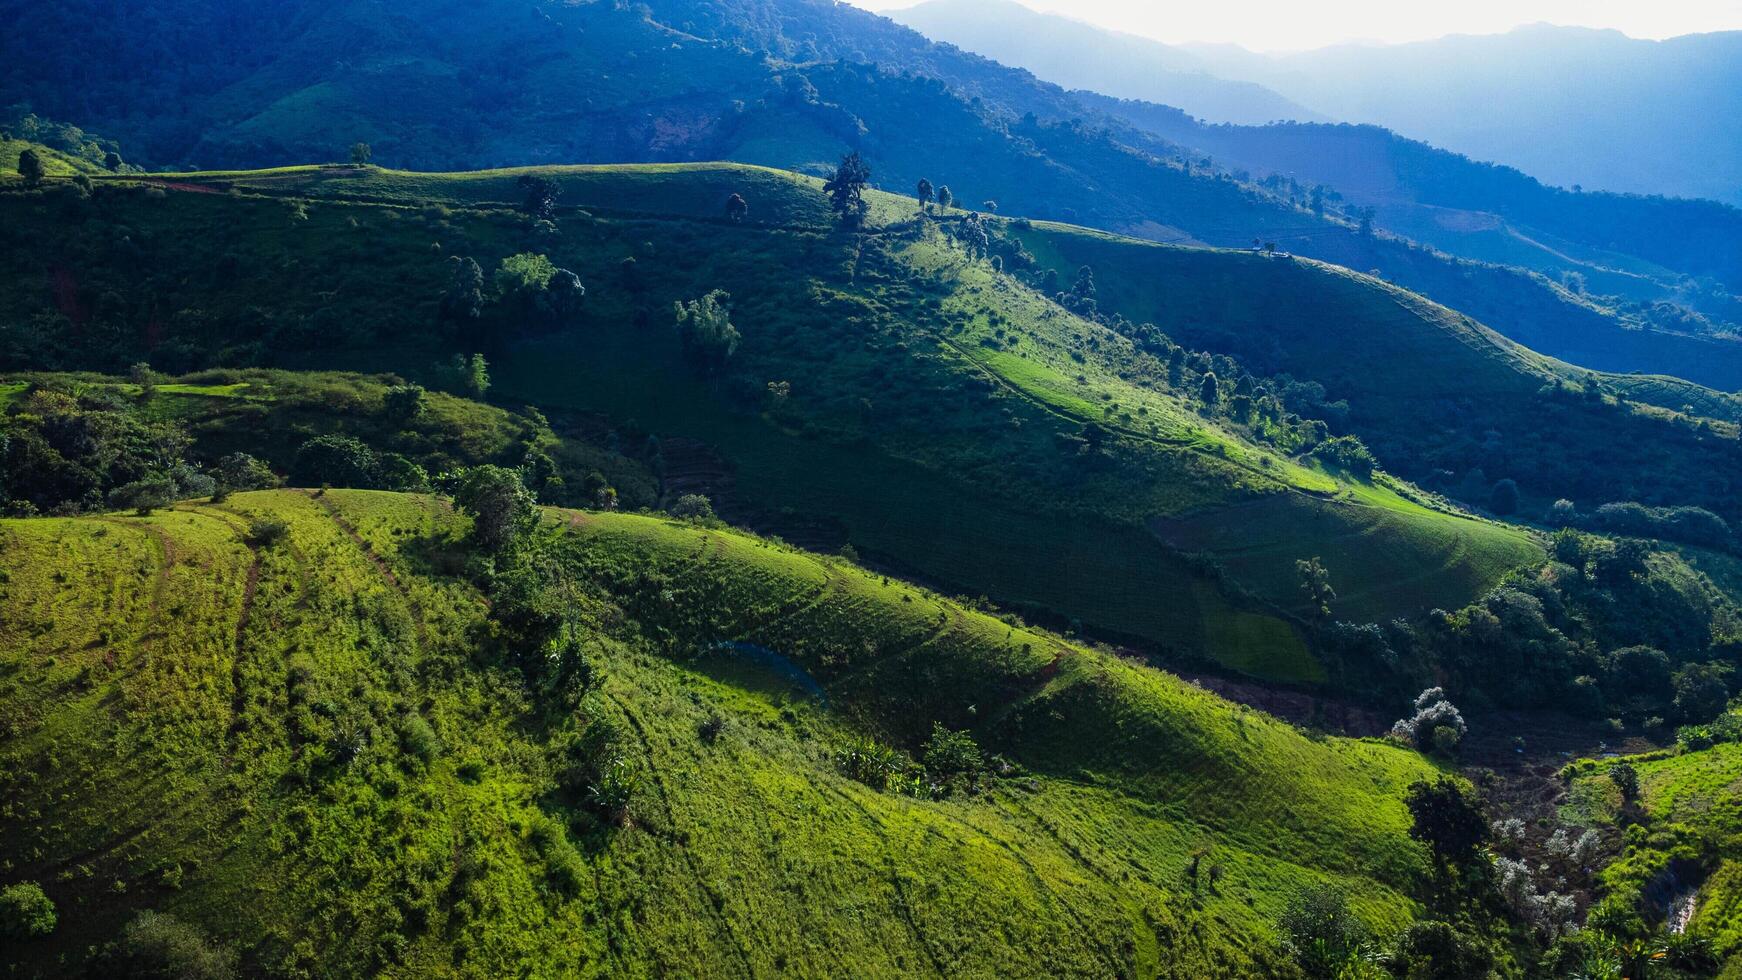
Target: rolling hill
934	410
784	83
312	748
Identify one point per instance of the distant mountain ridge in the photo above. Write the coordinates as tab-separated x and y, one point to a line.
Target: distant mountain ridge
1124	65
1568	105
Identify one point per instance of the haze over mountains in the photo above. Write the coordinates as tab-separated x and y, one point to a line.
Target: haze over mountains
1566	105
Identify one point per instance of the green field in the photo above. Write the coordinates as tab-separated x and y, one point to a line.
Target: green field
206	725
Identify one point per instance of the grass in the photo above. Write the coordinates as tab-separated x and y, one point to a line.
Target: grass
1689	839
173	696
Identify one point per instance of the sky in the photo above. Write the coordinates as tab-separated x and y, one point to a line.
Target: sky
1292	25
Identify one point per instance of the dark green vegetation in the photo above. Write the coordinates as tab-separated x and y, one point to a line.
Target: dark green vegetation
889	391
1439	398
74	442
787	83
224	734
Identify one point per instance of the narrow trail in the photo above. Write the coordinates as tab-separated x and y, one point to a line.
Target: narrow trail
380	564
166	558
718	917
905	906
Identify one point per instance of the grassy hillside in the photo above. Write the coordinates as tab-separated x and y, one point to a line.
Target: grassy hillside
935	407
306	745
54	162
1681	857
1439	397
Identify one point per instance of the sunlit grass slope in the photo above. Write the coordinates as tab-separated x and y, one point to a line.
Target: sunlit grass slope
1691	841
200	723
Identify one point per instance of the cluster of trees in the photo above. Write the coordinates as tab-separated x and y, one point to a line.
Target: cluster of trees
69	447
949	762
525	286
19	123
1608	629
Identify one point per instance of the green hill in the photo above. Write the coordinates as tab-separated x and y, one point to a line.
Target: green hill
308	744
935	413
1440	398
785	83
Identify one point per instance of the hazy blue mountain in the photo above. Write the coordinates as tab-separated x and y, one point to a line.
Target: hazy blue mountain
1078	55
1567	105
1639	247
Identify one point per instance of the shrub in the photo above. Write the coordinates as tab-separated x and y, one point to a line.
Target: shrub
240	471
693	507
156	946
1348	454
1626	779
403	403
265	532
334	460
950	753
611	794
870	762
25	911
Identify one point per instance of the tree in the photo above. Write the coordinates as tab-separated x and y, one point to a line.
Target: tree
846	189
1700	692
1503	499
156	945
464	297
1366	228
30	167
112	161
1433	950
950	753
1446	818
1320	931
25	911
334	460
240	471
1210	390
693	507
361	154
563	295
474	376
1437	724
501	508
523	275
403	403
1626	780
704	328
972	233
1315	587
923	193
945	198
538	196
142	375
989	206
737	209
